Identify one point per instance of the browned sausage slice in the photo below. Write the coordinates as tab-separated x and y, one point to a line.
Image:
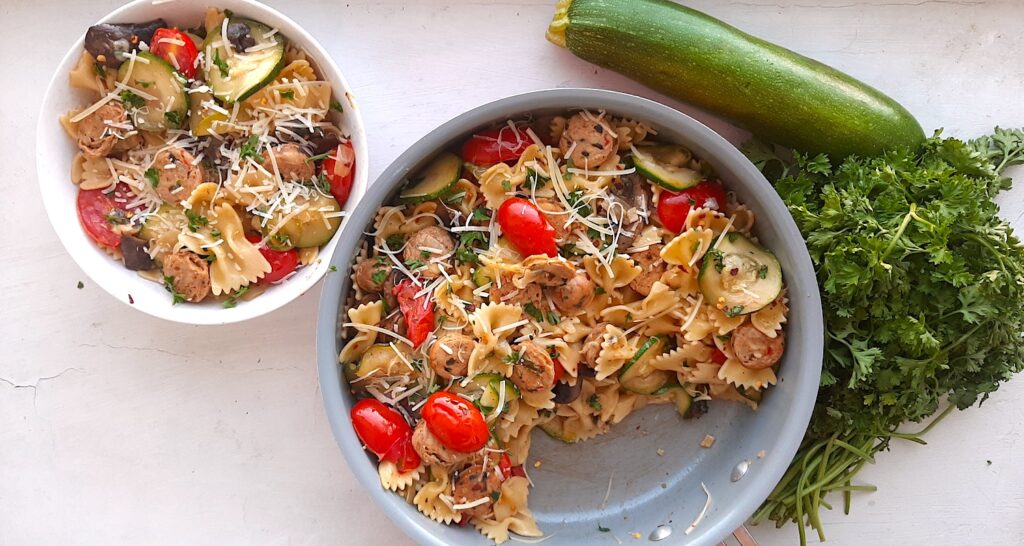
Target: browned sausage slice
756	350
449	355
477	482
189	274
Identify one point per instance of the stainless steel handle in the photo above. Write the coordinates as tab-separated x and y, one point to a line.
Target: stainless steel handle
743	538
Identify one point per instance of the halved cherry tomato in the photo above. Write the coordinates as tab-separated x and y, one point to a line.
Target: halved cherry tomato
281	262
98	212
674	206
527	228
385	432
717	356
418	312
340	170
559	371
175	47
495	145
456	422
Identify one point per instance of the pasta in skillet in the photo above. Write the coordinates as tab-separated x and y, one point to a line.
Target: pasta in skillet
559	275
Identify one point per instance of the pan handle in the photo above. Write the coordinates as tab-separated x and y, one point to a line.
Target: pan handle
742	536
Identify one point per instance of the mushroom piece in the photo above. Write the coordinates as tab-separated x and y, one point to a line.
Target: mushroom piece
188	274
634	195
449	355
594	141
96	135
290	161
566	393
431	450
110	44
474	483
652	266
135	255
372	273
428	246
756	350
535	370
574	295
178	174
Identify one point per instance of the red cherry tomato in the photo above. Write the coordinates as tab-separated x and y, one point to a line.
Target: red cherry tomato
456	422
175	47
495	145
508	470
385	432
717	356
559	371
674	206
527	228
418	312
340	170
281	262
99	212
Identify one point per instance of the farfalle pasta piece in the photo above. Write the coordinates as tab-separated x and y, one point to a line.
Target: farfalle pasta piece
368	314
495	184
393	480
494	321
742	219
722	321
702	373
662	299
510	513
85	75
623	271
683	281
616	350
737	374
91	173
700	326
296	88
686	355
519	419
239	263
428	498
769	320
542	399
687	248
707	219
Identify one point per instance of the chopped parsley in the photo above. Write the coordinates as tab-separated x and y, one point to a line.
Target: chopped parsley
221	64
495	495
378	276
289	94
395	241
173	118
317	157
454	198
336	106
481	214
144	84
117	217
81	285
153	176
466	252
718	258
176	297
131	99
568	165
535	180
593	402
553	318
532	310
333	269
413	265
99	69
251	149
513	358
577	202
506	185
734	311
215	232
322	183
598	290
425	254
762	272
233	300
602	528
195	221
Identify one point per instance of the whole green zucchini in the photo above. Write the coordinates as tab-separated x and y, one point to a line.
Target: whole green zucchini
778	95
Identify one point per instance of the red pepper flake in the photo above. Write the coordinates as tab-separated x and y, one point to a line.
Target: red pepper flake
734	271
130	299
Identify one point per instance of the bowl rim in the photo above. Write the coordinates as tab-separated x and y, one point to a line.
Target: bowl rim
806	377
202	314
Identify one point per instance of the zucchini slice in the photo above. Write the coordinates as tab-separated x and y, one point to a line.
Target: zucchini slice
667	166
555	429
636	376
492	385
434	181
378	358
168	109
234	75
309	228
740	276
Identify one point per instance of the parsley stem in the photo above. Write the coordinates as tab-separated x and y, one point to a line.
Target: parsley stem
899	234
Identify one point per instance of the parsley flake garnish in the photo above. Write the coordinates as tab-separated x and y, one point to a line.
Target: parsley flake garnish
336	106
221	64
481	214
594	403
153	176
233	300
99	69
251	150
289	94
195	221
379	276
173	118
131	99
532	310
176	297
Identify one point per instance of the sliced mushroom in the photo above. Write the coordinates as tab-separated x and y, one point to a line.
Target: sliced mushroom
634	195
136	257
110	44
756	350
566	393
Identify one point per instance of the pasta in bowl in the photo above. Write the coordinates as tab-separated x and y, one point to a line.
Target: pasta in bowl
557	270
214	151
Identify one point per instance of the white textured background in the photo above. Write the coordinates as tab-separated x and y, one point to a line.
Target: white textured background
116	428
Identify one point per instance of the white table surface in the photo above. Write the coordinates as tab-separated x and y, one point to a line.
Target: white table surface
118	428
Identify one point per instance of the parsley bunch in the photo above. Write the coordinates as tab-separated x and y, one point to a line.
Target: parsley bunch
923	292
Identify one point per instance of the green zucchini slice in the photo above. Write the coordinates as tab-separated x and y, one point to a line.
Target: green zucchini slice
434	181
235	75
667	166
636	376
164	104
740	276
492	385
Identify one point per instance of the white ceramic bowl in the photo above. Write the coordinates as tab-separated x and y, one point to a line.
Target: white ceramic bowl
55	151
